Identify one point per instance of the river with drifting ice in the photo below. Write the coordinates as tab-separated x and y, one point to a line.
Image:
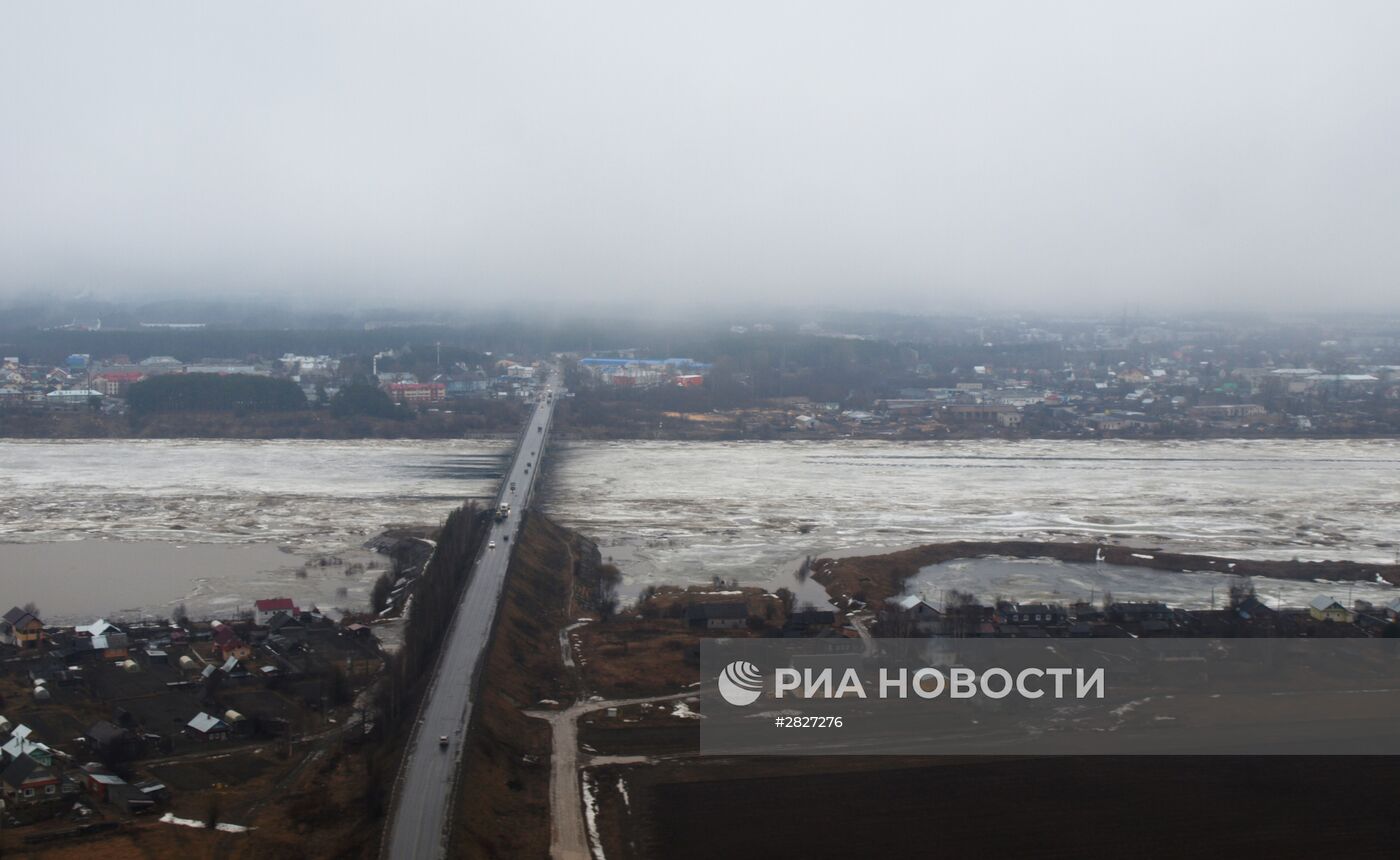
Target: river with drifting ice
138	526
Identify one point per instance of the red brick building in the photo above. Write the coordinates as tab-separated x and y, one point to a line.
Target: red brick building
115	384
417	392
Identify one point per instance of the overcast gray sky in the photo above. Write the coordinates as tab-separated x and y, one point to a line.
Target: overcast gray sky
915	155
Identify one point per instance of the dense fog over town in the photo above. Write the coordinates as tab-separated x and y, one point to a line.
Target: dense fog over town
897	155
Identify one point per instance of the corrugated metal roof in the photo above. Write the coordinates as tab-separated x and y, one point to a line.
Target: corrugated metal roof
205	723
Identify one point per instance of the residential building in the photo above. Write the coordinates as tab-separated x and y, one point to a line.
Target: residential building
287	627
228	644
206	727
1137	613
717	616
416	392
20	744
27	780
1031	614
21	629
918	615
263	610
110	741
115	383
1327	608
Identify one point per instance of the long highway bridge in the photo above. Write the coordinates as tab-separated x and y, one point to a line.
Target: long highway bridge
421	816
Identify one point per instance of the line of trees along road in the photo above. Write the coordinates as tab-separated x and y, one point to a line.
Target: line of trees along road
211	392
434	602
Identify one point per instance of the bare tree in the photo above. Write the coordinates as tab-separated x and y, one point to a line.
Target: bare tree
212	810
1240	592
964	611
787	599
606	602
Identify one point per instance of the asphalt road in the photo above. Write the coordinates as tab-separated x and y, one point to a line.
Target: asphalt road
423	796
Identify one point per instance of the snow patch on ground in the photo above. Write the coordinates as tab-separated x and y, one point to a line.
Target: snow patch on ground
590	815
169	818
683	711
1122	710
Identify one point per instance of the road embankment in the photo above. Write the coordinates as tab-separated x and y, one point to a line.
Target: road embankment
503	801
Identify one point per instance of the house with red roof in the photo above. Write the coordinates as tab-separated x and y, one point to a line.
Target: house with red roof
263	610
114	383
227	642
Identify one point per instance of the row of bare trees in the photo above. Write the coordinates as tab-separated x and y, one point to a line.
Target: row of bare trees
434	602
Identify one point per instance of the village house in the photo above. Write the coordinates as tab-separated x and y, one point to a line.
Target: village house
808	622
27	780
918	615
21	629
1392	609
111	742
1327	608
206	727
1031	614
287	627
103	637
228	644
1139	613
100	627
263	610
19	745
717	616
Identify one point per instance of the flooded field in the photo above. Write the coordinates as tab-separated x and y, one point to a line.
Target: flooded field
1052	581
126	527
128	579
671	511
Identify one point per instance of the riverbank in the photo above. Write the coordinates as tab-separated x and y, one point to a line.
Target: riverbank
876	578
305	424
503	421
